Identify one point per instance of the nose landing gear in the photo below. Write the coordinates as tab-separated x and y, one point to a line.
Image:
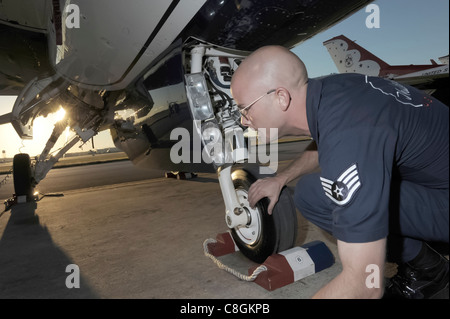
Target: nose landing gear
265	234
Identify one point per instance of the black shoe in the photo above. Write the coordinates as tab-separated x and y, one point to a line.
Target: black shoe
419	283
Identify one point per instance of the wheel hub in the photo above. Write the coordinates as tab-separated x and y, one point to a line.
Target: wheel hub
251	233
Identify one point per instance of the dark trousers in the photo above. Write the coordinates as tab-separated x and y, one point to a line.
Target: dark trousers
417	214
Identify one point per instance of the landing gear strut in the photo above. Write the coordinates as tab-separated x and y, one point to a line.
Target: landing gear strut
217	121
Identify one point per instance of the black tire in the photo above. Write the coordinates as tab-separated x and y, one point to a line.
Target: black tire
22	175
277	232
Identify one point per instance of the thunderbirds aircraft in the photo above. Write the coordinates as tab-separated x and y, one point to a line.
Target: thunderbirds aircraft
350	57
143	68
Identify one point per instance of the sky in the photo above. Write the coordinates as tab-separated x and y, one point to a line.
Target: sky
410	32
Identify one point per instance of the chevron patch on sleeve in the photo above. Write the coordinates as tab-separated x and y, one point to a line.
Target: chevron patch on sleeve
342	190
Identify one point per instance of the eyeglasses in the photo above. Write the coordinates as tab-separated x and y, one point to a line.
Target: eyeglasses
244	110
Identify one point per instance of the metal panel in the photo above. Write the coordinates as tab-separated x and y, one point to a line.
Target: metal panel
117	39
30	15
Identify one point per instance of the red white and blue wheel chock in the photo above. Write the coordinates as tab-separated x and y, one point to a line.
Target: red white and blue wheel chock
280	269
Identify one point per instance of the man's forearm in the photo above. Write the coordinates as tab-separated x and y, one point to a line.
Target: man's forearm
353	281
271	187
346	287
306	163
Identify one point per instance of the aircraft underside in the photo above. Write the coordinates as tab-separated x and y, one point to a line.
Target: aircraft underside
165	95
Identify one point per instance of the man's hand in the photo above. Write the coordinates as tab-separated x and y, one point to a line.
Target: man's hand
269	187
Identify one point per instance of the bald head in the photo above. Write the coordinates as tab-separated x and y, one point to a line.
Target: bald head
272	69
269	67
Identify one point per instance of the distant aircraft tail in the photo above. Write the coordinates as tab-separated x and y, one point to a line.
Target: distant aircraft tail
349	57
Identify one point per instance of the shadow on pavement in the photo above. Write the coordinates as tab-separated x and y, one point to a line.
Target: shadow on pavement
31	264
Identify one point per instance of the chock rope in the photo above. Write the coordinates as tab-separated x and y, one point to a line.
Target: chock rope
252	277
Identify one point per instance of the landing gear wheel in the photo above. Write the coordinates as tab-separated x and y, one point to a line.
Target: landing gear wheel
265	234
22	175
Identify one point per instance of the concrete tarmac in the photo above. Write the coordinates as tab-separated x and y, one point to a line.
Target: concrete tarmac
141	239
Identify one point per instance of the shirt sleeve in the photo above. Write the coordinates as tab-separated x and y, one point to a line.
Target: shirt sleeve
356	177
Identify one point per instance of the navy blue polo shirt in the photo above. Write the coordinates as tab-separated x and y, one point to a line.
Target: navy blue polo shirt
369	130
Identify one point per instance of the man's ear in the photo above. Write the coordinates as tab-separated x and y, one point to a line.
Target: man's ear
283	97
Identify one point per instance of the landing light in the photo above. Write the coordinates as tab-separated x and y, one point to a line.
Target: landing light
60	114
213	142
198	96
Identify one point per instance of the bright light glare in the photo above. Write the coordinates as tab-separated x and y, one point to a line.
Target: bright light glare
60	114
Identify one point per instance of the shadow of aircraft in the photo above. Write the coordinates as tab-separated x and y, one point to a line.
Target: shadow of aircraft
31	264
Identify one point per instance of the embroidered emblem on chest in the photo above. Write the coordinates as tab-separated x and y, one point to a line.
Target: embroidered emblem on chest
342	190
